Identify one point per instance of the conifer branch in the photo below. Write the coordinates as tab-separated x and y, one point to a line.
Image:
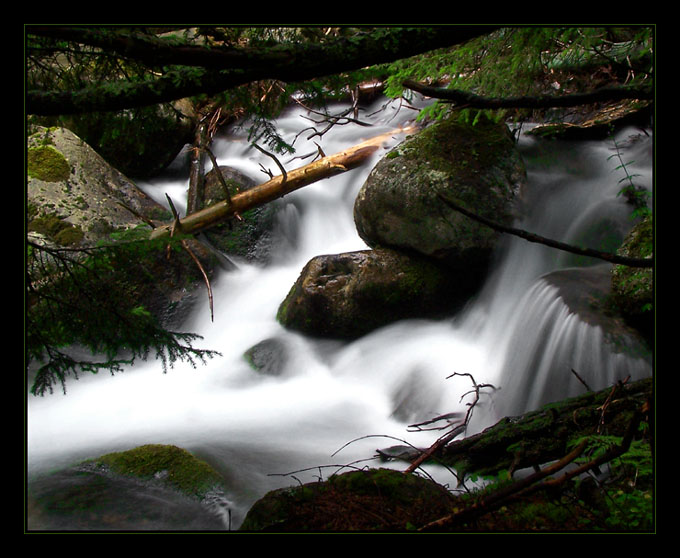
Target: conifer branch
467	99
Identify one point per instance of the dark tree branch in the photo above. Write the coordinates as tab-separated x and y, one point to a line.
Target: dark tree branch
531	102
612	258
219	69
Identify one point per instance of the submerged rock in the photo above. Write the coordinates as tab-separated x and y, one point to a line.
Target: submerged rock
268	357
474	165
348	295
153	487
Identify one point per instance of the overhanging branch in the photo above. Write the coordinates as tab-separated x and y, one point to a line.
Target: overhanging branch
468	99
612	258
210	71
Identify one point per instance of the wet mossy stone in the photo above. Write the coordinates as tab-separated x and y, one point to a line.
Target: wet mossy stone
148	488
347	295
268	357
177	467
633	287
367	500
475	165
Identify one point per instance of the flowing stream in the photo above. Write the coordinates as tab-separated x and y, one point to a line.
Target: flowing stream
335	402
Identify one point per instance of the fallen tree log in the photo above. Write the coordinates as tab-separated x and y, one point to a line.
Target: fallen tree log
540	436
537	437
275	188
467	99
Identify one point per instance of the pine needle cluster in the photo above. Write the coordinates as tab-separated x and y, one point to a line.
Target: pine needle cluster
83	313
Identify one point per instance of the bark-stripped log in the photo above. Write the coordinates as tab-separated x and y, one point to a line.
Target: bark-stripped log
277	187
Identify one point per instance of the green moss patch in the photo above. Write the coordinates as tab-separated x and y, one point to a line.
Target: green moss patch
632	287
56	229
177	467
47	163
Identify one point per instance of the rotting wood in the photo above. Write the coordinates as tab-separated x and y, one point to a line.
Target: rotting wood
540	480
543	435
536	437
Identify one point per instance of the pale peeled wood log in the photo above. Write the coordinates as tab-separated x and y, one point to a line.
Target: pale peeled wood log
277	187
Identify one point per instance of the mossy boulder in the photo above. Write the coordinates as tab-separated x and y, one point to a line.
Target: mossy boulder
46	163
69	181
475	165
633	288
249	237
92	203
350	294
175	466
368	500
151	487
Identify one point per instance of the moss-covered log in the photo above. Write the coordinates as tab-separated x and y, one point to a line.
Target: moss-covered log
209	71
540	436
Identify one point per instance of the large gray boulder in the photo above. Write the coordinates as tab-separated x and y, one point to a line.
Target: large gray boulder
70	181
77	199
348	295
476	165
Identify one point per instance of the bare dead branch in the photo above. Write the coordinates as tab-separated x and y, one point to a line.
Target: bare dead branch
177	227
278	163
457	429
531	237
220	176
580	379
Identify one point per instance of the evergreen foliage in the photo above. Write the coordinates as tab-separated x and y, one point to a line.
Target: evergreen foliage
532	60
85	298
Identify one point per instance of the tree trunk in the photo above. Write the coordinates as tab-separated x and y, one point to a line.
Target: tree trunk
196	178
276	188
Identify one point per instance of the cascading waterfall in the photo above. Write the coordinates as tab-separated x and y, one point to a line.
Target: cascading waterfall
257	429
533	338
